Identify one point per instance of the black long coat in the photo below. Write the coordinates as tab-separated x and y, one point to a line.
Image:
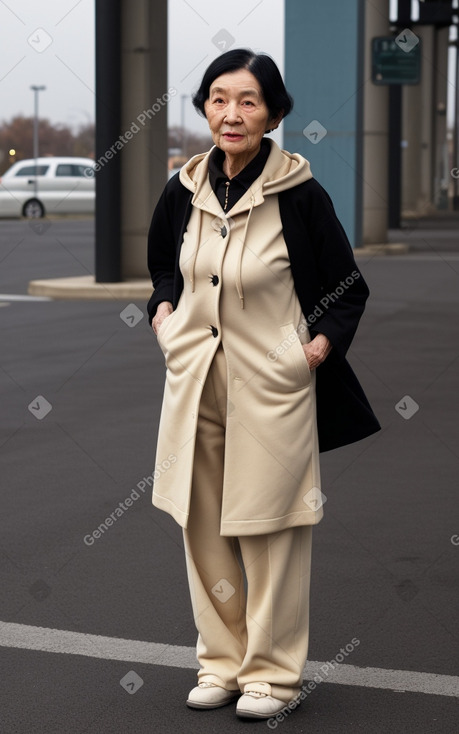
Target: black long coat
330	287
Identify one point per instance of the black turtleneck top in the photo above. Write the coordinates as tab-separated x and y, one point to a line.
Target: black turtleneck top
229	190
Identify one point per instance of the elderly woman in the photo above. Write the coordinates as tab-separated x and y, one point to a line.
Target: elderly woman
256	300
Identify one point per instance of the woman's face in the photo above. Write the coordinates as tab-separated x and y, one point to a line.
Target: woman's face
237	114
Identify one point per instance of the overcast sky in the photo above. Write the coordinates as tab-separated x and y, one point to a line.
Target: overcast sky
51	43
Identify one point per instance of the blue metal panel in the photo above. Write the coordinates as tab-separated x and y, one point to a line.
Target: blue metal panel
324	73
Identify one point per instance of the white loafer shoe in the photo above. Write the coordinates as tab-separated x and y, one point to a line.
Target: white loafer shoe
210	696
255	705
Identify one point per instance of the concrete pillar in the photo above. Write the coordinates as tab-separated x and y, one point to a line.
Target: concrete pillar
440	156
417	116
412	99
324	73
108	165
425	162
144	96
375	133
425	121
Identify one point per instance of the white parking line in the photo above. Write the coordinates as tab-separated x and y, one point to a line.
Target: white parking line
20	297
153	653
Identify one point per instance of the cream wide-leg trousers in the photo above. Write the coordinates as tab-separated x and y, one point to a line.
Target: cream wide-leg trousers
255	639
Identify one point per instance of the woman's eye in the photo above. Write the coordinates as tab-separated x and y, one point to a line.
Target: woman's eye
248	103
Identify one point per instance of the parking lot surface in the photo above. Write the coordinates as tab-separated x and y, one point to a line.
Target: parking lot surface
96	630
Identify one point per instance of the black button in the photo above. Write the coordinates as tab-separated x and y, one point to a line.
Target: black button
223	231
214	331
214	279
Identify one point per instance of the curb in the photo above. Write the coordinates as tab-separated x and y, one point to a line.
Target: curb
85	288
384	249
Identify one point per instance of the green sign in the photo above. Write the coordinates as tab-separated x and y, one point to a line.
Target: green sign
396	59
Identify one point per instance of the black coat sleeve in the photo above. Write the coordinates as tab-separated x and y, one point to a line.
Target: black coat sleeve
343	291
162	251
332	293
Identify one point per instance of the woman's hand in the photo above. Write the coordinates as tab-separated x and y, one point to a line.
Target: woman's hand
317	350
164	309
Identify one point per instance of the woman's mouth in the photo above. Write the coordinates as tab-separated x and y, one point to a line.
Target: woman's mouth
233	137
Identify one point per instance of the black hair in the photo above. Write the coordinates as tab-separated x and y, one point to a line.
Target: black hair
265	71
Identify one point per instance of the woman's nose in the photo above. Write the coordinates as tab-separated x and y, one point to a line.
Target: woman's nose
232	113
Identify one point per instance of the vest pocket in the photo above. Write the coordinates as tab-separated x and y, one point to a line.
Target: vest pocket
295	353
163	328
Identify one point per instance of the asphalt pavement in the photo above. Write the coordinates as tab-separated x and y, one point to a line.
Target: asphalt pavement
81	390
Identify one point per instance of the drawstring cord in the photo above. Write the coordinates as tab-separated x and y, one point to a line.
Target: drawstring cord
239	288
196	250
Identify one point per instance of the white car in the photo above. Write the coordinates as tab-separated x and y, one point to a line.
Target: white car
54	185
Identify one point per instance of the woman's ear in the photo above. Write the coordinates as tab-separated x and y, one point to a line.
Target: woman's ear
274	122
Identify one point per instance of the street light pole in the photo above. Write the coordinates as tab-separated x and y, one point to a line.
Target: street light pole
36	90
